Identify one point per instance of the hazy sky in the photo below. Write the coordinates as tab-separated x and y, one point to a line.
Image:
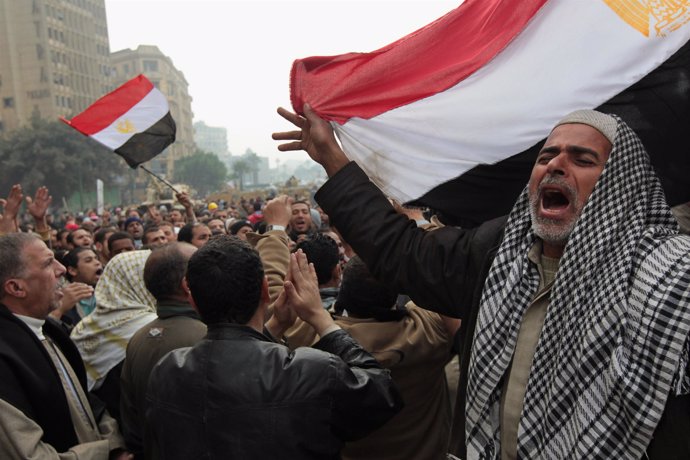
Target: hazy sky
237	55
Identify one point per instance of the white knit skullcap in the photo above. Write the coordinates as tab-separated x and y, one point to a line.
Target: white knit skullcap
605	124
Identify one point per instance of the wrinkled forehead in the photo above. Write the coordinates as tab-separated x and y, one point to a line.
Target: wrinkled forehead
35	252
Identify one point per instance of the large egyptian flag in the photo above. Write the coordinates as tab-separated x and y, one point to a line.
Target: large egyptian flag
451	116
134	121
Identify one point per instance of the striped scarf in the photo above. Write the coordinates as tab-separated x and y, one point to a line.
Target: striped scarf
614	344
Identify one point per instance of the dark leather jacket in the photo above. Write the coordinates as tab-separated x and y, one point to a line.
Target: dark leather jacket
239	395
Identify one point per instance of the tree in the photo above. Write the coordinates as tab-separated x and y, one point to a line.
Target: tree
203	170
247	164
240	168
53	154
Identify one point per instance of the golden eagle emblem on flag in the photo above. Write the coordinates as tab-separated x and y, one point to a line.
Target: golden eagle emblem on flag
125	127
660	17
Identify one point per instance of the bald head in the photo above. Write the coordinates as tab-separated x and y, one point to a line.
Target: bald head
164	270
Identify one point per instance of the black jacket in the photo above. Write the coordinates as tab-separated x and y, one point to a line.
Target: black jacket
239	395
30	382
444	271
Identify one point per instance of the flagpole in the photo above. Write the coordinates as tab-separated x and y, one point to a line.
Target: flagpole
159	178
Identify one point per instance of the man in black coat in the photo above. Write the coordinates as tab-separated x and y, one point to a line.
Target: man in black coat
575	310
44	407
239	394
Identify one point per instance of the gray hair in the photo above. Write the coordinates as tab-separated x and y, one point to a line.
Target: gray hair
12	263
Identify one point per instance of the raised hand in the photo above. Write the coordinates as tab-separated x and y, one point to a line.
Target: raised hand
315	136
277	211
38	206
71	294
8	220
302	290
183	198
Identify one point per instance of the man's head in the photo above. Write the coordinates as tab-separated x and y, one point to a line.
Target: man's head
322	251
101	242
134	227
176	216
565	174
83	266
221	214
226	280
196	234
120	242
301	222
79	238
88	224
341	247
168	230
62	239
154	237
54	240
241	228
165	269
132	212
217	227
29	276
363	296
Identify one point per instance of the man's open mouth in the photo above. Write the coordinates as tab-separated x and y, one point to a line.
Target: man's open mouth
553	199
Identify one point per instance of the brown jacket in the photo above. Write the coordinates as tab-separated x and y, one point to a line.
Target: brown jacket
416	350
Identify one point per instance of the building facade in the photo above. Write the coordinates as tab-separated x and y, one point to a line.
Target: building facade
159	68
54	59
211	139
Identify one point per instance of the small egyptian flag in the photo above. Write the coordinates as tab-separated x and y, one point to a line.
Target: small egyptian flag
134	121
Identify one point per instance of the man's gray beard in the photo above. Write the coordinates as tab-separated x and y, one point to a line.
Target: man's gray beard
550	230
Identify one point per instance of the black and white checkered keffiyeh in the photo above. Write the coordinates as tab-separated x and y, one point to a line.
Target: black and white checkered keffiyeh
614	344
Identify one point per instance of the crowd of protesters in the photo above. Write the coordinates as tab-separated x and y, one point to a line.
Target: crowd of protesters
254	330
121	285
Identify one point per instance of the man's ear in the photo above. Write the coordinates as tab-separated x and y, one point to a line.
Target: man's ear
185	288
72	271
337	273
265	297
15	288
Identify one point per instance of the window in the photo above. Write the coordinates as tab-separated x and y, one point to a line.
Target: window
8	102
151	66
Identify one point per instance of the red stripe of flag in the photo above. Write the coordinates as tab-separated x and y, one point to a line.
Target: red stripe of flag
426	62
112	106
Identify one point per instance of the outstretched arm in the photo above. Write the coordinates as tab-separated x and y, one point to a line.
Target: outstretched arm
273	246
183	198
314	136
